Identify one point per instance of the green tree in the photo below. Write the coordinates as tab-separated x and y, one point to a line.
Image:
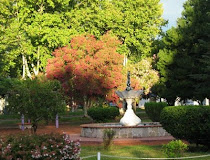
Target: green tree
37	99
202	86
183	60
136	23
30	30
172	70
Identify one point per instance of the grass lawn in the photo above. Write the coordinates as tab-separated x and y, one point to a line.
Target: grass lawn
74	120
137	151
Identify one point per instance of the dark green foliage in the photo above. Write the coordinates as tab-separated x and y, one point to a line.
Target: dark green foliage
153	110
202	86
183	60
6	84
103	114
53	146
191	123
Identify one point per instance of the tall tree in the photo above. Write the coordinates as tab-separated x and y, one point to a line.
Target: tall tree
30	30
181	61
136	23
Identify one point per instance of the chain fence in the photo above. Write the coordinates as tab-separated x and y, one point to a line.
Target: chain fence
99	155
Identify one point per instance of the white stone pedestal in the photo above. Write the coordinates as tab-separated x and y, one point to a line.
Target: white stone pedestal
129	118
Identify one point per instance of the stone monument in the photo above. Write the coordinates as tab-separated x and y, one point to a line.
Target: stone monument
129	95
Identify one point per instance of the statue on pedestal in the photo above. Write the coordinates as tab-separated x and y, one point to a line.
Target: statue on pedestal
129	95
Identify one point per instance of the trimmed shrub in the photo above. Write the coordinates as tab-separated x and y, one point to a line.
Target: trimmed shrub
153	110
175	148
53	146
103	114
191	123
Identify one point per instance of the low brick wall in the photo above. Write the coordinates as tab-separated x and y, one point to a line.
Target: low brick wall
148	129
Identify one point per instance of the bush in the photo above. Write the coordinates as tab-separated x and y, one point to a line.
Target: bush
108	136
153	110
191	123
26	147
174	148
103	113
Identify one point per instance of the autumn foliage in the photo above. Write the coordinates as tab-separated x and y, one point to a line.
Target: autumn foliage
88	67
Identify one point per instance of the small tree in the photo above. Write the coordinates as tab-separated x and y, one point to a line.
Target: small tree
37	99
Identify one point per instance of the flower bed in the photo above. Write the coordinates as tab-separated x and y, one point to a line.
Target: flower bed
51	146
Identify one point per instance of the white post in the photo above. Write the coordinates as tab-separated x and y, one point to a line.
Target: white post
22	122
98	156
56	121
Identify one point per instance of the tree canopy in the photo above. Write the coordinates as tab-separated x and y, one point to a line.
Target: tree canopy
31	30
136	23
183	59
88	68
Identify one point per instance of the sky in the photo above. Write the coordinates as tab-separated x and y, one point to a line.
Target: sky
172	11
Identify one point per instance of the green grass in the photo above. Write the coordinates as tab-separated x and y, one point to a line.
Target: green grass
75	120
78	112
138	151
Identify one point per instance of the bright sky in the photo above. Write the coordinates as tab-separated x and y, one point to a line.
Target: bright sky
172	11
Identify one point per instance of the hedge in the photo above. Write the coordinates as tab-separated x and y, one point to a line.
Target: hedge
103	114
191	123
153	110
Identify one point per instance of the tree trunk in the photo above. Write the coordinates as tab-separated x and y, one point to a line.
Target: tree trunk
87	104
27	69
24	67
34	128
36	68
85	107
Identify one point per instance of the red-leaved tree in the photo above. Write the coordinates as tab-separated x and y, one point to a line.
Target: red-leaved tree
88	68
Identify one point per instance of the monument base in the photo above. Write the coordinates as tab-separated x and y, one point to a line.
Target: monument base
146	129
